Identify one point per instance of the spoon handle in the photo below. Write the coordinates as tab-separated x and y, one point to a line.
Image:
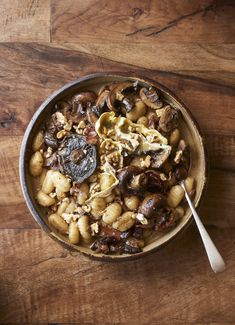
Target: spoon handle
215	259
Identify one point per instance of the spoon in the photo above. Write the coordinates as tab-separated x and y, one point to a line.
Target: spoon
215	259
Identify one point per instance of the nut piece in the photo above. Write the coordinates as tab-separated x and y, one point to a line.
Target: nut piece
125	221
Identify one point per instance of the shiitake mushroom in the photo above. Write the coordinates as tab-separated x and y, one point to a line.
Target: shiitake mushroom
77	158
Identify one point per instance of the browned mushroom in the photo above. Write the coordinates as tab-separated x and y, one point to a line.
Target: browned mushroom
132	180
91	115
154	184
101	100
167	218
168	119
159	157
151	97
82	100
151	204
117	100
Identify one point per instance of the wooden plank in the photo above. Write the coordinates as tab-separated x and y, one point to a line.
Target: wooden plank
145	21
65	288
25	21
182	58
41	69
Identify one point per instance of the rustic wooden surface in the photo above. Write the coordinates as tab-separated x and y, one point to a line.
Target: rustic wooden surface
187	45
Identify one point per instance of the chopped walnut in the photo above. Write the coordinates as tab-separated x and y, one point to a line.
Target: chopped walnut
94	228
178	156
61	134
60	118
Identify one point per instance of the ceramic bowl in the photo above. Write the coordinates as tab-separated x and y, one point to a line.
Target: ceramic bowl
191	132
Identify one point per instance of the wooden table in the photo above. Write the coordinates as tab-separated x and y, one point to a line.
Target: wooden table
189	47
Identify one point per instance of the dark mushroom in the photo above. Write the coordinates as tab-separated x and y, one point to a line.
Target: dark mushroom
132	246
50	140
100	246
52	127
168	119
52	161
154	184
132	180
151	204
150	97
153	120
181	172
167	218
77	158
82	100
117	100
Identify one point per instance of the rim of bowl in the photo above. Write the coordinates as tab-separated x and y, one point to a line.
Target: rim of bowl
23	152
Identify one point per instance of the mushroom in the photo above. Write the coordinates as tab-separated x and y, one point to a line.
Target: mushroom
102	98
151	204
77	158
154	184
159	157
54	125
116	99
168	119
91	115
132	180
82	100
132	246
151	97
167	218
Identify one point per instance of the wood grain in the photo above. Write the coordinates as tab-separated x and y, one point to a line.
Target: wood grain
144	21
80	290
25	21
49	67
189	46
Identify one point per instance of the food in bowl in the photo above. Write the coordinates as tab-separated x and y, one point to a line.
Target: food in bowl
107	165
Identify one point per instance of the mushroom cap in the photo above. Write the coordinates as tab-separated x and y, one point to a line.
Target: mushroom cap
151	97
115	95
128	176
151	203
77	158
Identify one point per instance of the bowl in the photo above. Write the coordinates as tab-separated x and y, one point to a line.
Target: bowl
191	133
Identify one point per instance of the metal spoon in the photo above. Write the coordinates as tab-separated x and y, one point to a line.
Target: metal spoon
215	259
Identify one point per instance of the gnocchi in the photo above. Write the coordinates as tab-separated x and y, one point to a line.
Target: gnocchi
58	223
36	164
73	233
175	196
83	226
112	212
